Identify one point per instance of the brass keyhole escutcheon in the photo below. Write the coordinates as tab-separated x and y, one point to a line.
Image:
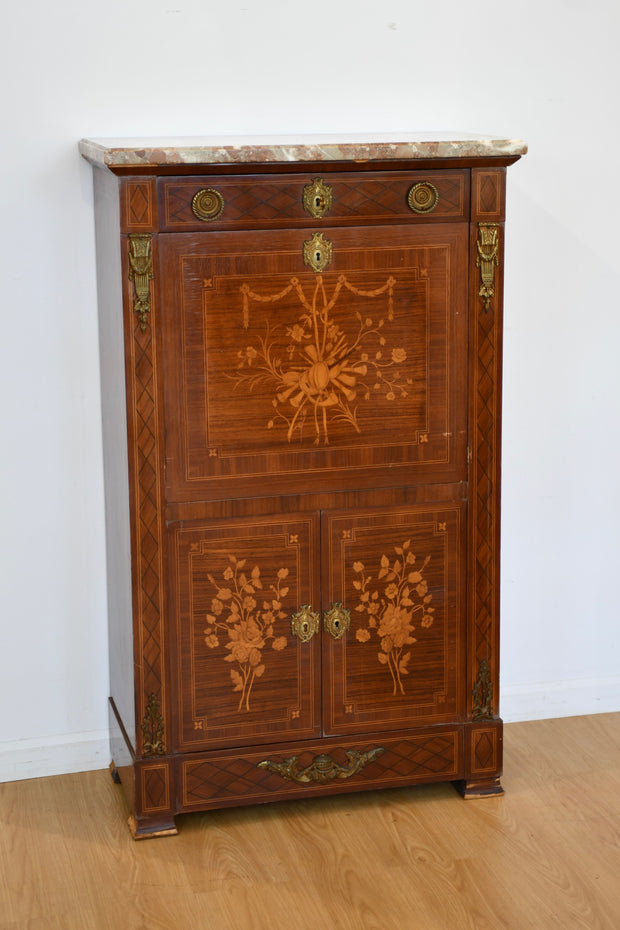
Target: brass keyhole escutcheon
423	197
337	620
318	252
207	205
305	622
317	198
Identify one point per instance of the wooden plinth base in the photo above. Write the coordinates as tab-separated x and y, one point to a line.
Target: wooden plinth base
480	788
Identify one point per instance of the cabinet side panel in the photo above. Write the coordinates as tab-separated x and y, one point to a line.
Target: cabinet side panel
112	366
486	296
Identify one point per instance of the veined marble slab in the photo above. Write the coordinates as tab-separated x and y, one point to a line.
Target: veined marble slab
281	149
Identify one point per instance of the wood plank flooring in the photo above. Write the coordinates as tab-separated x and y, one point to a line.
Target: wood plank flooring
546	855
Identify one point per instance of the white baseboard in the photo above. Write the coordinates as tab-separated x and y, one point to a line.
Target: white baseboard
84	752
60	755
570	698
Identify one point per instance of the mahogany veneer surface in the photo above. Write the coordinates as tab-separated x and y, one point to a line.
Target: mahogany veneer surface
308	436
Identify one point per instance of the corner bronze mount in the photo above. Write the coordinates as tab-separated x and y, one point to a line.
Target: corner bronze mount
483	693
487	260
322	769
141	273
153	729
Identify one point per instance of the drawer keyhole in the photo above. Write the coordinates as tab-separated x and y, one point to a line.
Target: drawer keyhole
317	198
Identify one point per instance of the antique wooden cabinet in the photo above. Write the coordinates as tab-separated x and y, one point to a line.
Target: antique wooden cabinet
301	369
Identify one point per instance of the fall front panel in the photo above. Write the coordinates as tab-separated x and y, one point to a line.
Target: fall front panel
240	675
400	574
277	374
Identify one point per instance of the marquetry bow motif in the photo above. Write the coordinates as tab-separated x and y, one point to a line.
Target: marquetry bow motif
324	373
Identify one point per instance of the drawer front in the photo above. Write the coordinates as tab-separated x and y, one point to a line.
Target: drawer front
272	202
214	780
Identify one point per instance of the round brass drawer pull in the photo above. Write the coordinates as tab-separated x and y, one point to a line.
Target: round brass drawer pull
208	205
423	197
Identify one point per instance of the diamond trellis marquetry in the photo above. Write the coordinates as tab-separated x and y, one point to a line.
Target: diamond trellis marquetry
138	205
489	194
485	751
257	202
485	475
149	528
227	778
155	788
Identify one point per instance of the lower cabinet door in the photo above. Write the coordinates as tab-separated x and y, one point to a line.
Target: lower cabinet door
398	578
240	675
294	627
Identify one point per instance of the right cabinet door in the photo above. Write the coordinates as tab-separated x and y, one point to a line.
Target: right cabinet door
401	575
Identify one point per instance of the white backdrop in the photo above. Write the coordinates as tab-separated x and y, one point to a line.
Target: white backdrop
546	71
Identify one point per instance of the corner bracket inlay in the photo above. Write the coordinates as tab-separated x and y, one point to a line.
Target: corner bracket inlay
153	729
483	693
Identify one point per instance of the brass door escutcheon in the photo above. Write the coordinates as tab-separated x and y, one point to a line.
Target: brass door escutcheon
337	620
305	622
318	252
423	197
208	205
317	198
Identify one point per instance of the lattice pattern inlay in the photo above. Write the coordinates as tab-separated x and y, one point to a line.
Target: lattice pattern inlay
226	778
147	483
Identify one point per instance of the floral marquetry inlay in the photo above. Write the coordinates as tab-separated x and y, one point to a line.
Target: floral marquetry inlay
244	614
391	605
325	373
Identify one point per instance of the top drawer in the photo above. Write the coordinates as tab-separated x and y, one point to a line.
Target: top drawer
289	201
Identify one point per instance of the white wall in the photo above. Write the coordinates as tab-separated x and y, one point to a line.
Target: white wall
546	71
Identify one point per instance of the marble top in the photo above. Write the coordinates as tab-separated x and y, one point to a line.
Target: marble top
281	149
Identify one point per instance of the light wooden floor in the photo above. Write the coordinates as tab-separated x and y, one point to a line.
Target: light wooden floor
546	855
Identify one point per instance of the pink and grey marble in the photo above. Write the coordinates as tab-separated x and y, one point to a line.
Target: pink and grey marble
281	149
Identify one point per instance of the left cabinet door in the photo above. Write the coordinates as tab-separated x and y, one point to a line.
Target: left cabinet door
240	674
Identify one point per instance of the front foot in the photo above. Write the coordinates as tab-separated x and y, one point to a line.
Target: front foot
147	828
479	788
